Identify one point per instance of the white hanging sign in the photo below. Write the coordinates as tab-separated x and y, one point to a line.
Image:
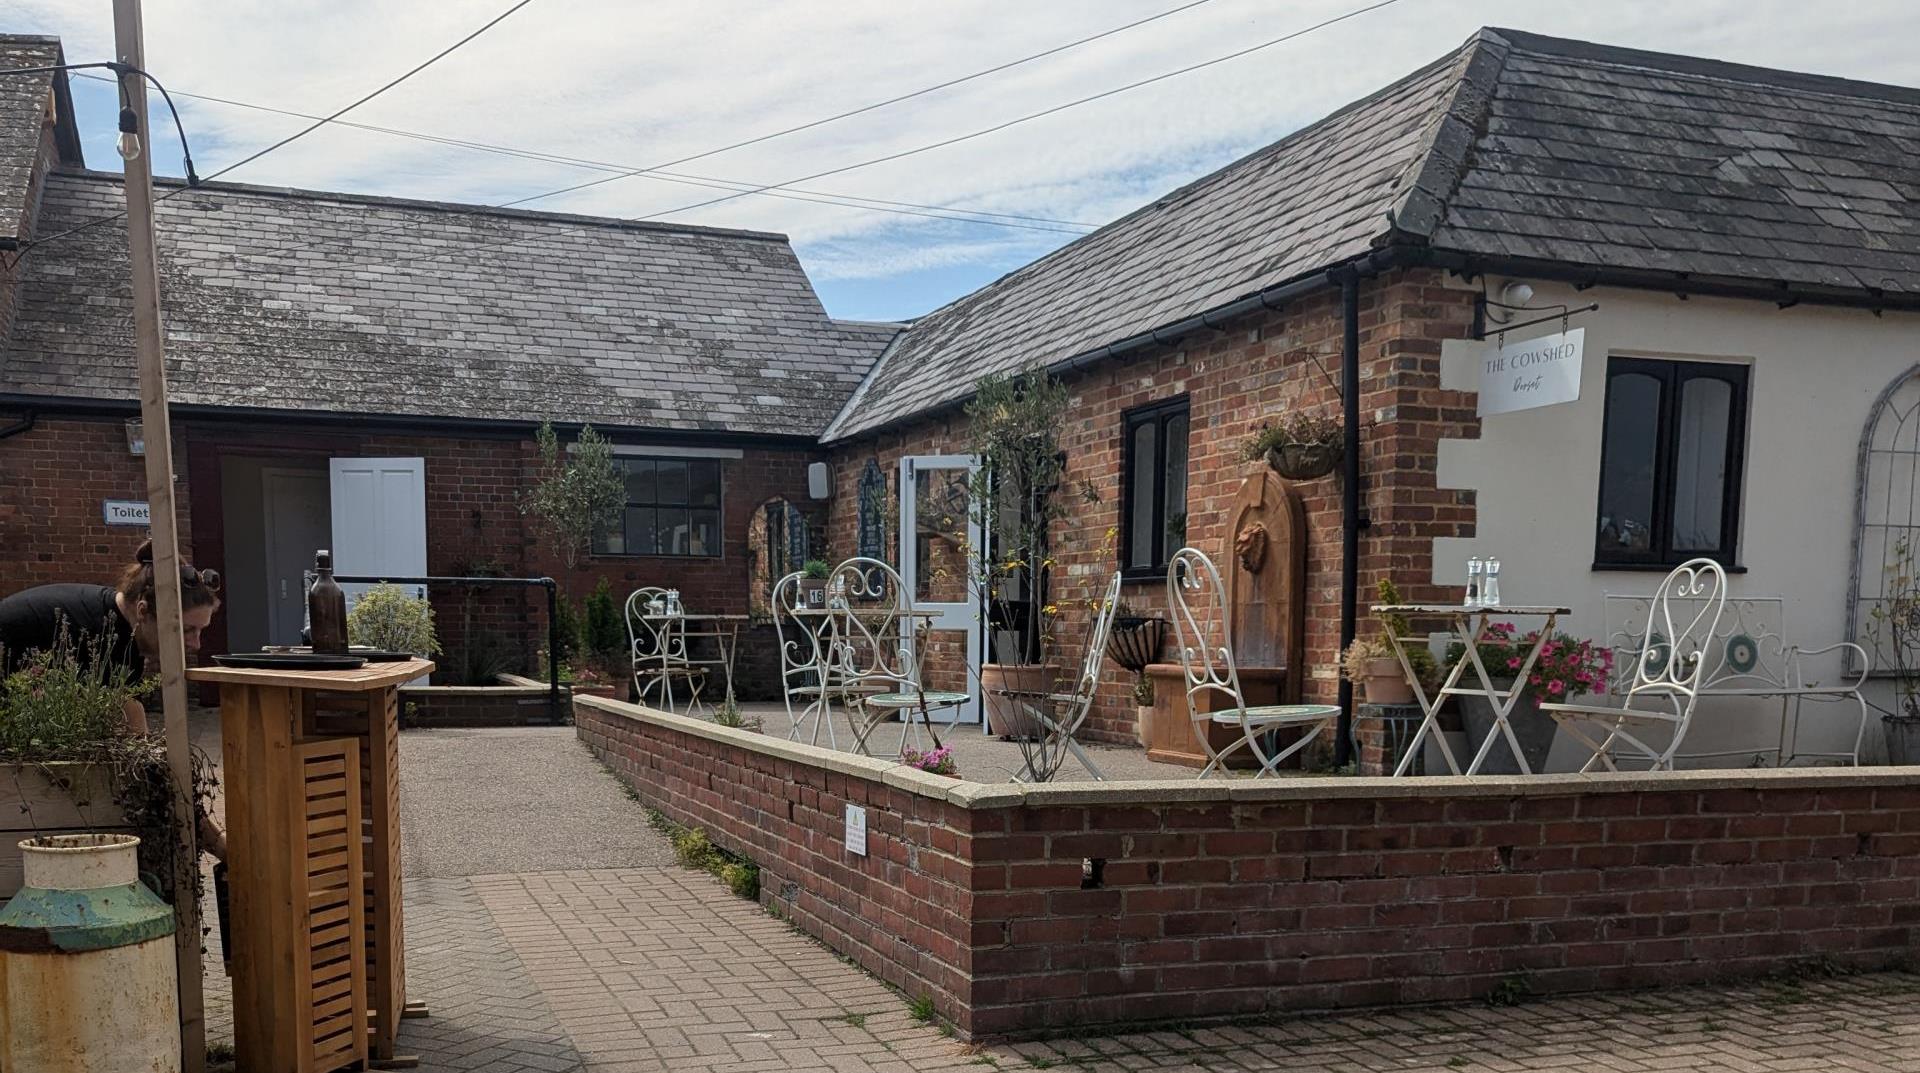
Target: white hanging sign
124	512
857	830
1538	372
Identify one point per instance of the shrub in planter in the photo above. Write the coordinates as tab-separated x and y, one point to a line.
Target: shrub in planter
935	762
1300	447
813	582
1371	664
387	618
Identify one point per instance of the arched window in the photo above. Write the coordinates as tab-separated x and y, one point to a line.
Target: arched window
1886	532
777	545
872	538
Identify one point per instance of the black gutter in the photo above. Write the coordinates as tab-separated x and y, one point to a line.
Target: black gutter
555	708
1349	280
25	424
484	427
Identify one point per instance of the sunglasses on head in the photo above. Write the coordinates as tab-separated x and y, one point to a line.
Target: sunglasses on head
189	577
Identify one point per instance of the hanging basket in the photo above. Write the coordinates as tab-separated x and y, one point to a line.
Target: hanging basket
1136	642
1303	461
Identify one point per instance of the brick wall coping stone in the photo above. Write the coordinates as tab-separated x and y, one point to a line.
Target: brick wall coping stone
977	795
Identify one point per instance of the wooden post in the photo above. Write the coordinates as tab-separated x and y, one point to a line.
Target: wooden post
149	348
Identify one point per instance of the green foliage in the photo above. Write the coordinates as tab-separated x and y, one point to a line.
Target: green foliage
580	493
1893	625
1143	691
1014	424
1297	426
816	570
568	629
55	711
1425	667
386	618
1510	991
921	1009
603	633
52	709
693	849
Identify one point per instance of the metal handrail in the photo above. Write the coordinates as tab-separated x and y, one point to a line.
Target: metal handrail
554	705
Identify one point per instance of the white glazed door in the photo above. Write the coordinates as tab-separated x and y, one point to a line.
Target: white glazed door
938	530
379	519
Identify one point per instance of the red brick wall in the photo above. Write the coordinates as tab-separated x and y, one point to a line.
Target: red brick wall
1249	372
52	482
1291	895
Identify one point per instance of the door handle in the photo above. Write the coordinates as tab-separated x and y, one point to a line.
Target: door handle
283	588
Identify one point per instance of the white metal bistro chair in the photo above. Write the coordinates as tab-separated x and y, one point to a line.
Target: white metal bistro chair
803	663
1199	605
657	646
1056	717
1680	633
875	654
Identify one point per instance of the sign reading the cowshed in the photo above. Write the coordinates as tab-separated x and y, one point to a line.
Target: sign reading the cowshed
1538	372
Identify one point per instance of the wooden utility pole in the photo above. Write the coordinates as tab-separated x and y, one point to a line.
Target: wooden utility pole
149	348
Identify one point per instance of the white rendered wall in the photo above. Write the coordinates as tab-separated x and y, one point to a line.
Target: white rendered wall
1815	374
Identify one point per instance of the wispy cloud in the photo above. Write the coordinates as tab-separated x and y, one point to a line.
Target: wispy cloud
642	84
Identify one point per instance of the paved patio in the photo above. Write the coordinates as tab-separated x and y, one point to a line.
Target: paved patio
549	930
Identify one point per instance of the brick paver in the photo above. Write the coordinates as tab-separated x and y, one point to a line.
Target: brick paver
650	967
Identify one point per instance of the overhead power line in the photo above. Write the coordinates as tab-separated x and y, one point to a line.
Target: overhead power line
942	143
250	158
760	138
823	197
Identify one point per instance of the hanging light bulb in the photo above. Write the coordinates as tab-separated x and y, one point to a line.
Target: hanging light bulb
129	144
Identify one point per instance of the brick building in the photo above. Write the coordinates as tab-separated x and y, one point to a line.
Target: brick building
1739	246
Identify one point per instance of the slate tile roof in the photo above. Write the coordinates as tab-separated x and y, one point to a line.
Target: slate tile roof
625	325
23	110
1516	149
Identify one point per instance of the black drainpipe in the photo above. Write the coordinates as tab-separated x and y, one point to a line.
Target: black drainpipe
25	424
1349	497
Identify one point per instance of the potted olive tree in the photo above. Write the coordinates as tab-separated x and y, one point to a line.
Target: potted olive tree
1014	425
1301	446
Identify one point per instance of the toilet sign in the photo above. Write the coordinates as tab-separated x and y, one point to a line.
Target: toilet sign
1538	372
124	512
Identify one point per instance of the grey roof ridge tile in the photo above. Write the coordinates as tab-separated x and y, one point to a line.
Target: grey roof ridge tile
452	208
1442	161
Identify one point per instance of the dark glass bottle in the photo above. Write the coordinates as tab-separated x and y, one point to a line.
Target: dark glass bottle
327	608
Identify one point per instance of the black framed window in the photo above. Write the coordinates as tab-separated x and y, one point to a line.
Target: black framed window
1153	486
1671	456
673	508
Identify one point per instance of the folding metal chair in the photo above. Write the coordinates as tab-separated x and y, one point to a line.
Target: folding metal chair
1666	671
657	645
1056	717
1198	602
803	663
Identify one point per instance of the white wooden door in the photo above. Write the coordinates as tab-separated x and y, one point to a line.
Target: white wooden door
379	519
938	531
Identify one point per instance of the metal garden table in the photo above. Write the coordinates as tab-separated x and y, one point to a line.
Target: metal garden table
1469	624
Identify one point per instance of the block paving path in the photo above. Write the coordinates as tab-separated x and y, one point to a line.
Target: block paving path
549	931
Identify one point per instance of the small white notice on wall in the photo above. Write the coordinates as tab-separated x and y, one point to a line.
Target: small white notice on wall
857	830
1537	372
124	512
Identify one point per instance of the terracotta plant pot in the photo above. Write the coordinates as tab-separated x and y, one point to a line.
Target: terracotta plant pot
1386	683
1143	728
1303	461
1004	718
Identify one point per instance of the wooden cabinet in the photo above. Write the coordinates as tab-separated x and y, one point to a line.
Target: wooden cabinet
311	767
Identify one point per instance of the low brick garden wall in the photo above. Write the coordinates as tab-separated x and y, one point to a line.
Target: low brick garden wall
1021	910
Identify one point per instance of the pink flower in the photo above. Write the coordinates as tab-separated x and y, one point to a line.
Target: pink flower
1513	664
1556	687
1533	680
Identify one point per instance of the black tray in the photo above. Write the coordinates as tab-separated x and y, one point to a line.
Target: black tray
291	661
374	655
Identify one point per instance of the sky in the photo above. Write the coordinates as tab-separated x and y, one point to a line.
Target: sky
639	85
